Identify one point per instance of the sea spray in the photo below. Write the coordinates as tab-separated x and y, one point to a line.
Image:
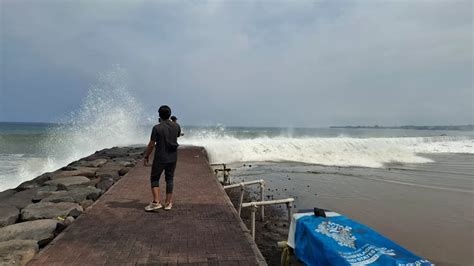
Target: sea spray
109	116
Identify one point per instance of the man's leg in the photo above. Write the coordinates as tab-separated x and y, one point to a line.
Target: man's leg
169	176
156	194
156	171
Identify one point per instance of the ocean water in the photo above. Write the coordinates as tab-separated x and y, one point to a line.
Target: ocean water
110	116
29	149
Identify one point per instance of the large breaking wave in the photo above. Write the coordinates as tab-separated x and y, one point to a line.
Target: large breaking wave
337	151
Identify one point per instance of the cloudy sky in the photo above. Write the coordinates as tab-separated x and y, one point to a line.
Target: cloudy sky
251	63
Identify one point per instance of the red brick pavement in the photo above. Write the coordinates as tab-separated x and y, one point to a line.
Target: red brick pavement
203	227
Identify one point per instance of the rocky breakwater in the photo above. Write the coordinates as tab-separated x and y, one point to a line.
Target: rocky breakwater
32	214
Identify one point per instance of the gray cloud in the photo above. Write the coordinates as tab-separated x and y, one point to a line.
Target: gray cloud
264	63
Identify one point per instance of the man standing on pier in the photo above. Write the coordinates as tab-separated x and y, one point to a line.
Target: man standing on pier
164	140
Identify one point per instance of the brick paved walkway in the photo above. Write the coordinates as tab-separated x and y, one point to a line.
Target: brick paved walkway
202	229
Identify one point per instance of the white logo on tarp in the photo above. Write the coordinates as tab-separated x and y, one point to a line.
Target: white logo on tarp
341	234
366	255
417	263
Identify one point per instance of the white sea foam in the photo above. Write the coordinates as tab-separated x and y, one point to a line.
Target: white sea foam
15	168
338	151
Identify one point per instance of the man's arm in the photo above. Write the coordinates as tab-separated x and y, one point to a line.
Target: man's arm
179	131
149	149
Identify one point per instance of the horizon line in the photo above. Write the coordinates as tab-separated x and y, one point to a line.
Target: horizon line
296	127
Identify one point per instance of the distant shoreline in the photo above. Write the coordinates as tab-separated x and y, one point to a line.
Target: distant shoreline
460	128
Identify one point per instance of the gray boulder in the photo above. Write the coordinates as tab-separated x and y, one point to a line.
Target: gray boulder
95	163
35	183
39	230
80	171
124	171
67	168
77	194
44	192
86	203
69	181
114	174
105	183
115	152
20	199
111	166
8	215
91	183
27	185
68	221
58	196
136	155
7	194
84	193
47	188
17	252
124	163
47	210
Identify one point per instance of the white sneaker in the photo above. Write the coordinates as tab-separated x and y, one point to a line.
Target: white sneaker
153	206
169	206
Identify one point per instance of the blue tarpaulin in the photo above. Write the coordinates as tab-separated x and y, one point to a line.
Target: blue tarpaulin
341	241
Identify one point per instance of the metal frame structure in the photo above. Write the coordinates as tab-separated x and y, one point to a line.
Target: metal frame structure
255	204
242	185
226	177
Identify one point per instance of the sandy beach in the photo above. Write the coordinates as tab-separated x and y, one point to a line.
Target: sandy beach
426	208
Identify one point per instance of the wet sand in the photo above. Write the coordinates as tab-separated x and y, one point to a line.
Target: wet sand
426	208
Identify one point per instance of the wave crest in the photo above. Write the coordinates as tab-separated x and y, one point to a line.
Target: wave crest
337	151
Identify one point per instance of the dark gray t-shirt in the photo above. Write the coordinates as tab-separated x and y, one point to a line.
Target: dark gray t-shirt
165	131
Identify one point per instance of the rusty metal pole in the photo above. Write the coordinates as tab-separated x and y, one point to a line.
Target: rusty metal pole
262	189
254	210
241	199
226	175
290	212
